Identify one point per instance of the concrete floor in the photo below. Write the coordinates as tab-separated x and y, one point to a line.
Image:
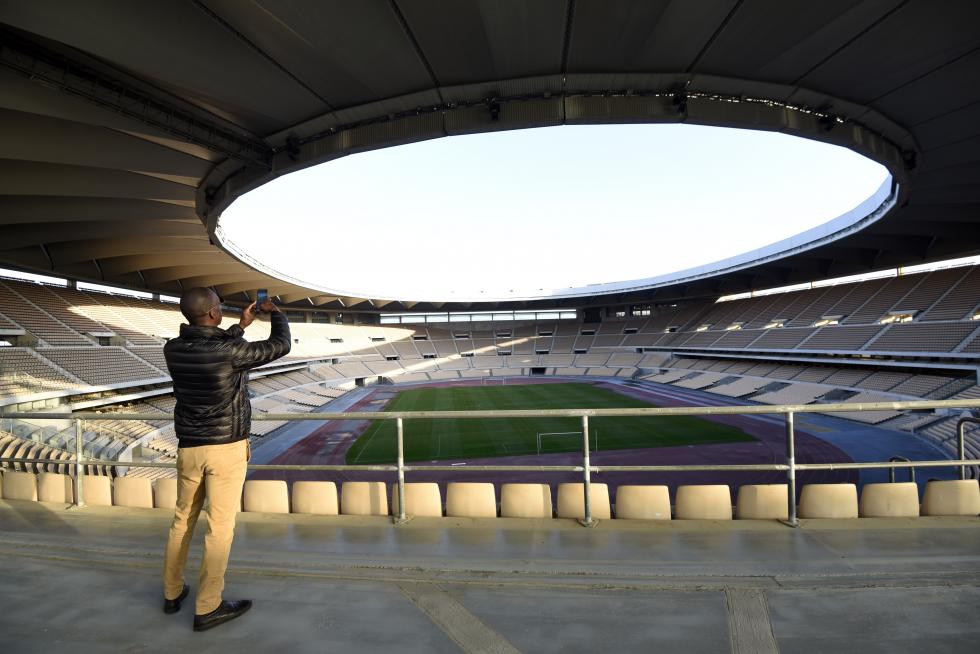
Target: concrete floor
88	581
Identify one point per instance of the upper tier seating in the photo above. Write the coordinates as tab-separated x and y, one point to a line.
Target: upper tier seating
23	372
101	366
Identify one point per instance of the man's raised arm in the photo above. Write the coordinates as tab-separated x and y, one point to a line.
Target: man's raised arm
252	355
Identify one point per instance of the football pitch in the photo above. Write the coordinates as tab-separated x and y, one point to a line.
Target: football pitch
428	439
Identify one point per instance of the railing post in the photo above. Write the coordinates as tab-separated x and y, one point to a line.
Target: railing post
401	518
791	473
79	468
961	445
586	477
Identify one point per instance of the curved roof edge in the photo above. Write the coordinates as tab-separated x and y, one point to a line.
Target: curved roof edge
599	99
871	210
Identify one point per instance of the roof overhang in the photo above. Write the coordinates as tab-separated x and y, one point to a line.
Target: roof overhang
126	128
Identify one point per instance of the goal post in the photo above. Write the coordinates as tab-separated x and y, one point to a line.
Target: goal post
573	439
493	381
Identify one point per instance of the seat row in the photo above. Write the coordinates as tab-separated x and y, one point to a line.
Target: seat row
478	500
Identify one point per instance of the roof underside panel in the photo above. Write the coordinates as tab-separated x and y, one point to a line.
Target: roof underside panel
123	124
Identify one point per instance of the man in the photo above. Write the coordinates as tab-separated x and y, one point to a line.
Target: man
209	367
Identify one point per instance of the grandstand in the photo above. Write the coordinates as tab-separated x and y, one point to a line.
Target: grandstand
685	346
128	128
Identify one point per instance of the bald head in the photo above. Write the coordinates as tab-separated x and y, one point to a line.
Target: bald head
201	306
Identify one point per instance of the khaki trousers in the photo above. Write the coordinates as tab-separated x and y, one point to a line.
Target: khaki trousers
215	472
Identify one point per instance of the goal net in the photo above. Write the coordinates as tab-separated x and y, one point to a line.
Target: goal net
564	441
493	381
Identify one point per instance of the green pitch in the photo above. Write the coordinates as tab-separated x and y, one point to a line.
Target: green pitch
427	440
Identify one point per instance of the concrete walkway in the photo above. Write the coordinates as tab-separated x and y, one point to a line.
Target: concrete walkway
89	581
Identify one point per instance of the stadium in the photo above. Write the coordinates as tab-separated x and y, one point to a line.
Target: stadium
776	451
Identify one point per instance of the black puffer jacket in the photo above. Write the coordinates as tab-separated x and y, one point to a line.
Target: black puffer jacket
209	366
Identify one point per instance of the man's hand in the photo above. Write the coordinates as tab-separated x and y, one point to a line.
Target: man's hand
248	315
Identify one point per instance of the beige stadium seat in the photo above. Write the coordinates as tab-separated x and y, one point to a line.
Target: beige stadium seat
165	493
52	487
363	498
266	496
953	497
571	501
97	491
642	503
133	492
708	502
899	500
762	502
471	500
525	501
829	501
19	486
316	497
421	499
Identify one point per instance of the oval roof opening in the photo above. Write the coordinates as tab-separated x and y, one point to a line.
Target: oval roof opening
534	213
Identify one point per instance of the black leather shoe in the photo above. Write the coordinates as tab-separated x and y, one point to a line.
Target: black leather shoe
226	611
172	606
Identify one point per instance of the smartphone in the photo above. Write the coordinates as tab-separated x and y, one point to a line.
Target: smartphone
261	296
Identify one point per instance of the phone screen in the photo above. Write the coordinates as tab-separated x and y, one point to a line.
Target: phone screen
261	296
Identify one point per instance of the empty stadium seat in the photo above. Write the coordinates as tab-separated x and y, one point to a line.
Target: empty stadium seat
133	492
363	498
897	500
421	499
315	497
266	496
762	502
829	501
706	502
19	486
471	500
52	487
165	493
642	503
97	491
953	497
571	501
525	501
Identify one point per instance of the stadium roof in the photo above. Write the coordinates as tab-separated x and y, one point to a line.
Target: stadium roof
126	128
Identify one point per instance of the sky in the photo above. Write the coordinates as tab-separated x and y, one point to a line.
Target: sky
525	212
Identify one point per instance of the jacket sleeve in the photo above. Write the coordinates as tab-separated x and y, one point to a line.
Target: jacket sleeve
250	355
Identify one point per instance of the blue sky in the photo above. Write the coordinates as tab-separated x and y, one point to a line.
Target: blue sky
533	210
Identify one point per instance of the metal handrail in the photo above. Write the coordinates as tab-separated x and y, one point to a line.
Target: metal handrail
961	439
891	471
788	411
545	413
